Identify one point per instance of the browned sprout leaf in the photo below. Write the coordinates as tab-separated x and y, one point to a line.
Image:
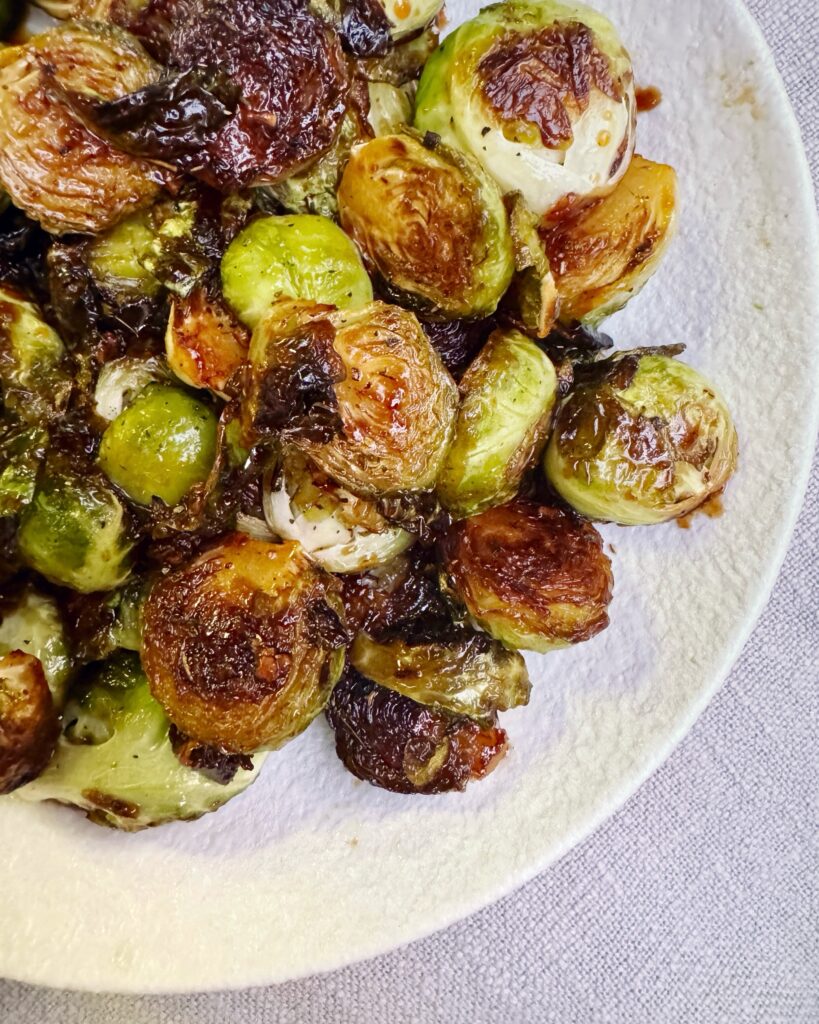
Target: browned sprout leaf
29	725
205	344
52	166
395	743
533	576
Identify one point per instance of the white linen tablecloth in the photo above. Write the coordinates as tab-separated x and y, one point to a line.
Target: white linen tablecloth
697	904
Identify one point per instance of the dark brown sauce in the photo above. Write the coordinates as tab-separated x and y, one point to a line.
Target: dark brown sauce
648	97
711	507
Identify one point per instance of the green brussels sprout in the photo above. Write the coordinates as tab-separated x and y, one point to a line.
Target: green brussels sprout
22	450
466	673
429	223
29	723
541	93
33	378
507	397
340	531
75	533
362	392
390	108
534	577
299	257
121	380
115	761
606	253
162	444
643	438
31	623
243	645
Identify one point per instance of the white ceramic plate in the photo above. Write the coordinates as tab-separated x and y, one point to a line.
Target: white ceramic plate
310	869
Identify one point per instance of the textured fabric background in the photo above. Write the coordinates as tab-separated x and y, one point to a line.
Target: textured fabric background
697	904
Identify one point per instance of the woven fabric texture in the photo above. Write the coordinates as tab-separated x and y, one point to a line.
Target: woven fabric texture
697	904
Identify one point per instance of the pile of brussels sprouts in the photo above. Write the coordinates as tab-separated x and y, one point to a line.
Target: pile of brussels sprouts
304	403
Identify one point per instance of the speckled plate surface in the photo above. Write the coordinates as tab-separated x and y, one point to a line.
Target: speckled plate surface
310	869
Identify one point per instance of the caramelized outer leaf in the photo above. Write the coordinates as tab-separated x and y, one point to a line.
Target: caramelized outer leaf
29	726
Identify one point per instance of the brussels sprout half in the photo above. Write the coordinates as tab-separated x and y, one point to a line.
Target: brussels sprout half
162	444
362	392
114	759
243	645
204	342
120	381
507	396
340	531
31	623
429	223
465	673
299	257
33	379
75	533
398	744
542	94
606	253
534	577
643	439
29	725
51	164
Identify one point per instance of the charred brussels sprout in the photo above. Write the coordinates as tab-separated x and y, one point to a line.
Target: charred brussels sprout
361	391
243	645
342	532
74	532
463	672
29	725
604	255
52	166
298	257
642	439
532	576
390	108
542	94
508	394
430	224
204	342
160	446
115	761
33	378
397	744
31	623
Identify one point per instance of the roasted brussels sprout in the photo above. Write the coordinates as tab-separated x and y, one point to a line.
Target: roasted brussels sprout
33	379
118	260
534	577
507	396
22	450
74	532
29	725
52	166
390	108
463	672
120	381
115	761
430	224
361	391
160	446
340	531
643	438
293	79
298	257
393	742
31	622
604	254
204	342
541	93
243	645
